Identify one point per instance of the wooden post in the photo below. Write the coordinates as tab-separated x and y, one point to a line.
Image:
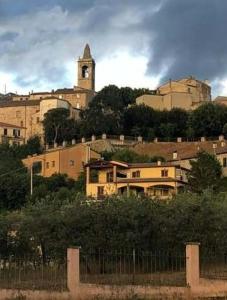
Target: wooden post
192	264
73	270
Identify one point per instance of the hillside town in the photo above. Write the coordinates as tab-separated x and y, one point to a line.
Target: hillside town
22	118
119	187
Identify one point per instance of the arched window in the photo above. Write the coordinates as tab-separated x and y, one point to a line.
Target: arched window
85	73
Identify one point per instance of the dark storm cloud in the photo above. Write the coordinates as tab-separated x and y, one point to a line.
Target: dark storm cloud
190	38
179	37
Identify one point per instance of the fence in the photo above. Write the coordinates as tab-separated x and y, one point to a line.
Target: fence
33	273
213	264
133	267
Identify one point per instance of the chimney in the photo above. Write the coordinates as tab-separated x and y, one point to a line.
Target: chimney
93	138
83	140
214	145
179	139
140	139
122	138
175	154
103	136
221	138
156	140
73	141
159	162
64	144
203	139
55	145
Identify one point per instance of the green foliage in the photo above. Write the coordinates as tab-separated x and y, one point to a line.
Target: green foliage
224	130
113	111
57	221
58	126
13	191
130	156
205	173
208	119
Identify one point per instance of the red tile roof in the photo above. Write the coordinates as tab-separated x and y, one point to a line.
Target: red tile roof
185	150
2	124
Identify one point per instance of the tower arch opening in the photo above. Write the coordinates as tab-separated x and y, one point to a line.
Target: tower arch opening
85	72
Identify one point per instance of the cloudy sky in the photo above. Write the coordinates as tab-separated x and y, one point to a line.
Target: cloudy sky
137	43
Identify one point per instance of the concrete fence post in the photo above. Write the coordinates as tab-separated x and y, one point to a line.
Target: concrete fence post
192	264
73	269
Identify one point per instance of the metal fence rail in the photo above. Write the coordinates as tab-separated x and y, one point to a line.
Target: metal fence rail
213	265
33	273
133	267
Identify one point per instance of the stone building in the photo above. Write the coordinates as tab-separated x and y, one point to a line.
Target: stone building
81	94
28	110
11	134
186	93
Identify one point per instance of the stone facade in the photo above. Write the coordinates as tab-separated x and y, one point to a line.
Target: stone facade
11	134
28	110
186	93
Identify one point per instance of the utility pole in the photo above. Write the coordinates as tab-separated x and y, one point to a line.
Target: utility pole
31	181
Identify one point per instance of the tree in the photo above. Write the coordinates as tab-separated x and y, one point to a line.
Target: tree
208	119
205	173
138	119
224	130
55	121
14	188
34	145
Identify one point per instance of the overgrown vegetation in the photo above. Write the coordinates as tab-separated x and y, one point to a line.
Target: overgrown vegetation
61	219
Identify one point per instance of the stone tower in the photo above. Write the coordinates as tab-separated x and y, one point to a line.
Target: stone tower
86	70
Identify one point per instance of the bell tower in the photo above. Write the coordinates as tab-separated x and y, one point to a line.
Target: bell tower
86	70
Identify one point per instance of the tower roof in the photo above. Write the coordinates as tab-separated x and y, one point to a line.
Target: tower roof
87	52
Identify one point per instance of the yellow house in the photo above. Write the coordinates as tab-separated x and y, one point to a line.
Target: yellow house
104	178
64	160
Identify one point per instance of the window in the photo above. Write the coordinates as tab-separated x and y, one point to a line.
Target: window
47	165
18	114
109	177
21	123
5	131
53	163
14	132
71	163
135	174
224	162
18	132
100	191
85	73
37	120
164	173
